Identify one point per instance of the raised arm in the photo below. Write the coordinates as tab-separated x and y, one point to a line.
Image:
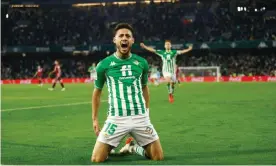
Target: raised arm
150	49
185	50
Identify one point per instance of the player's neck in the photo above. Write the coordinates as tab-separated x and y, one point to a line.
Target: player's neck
168	50
122	56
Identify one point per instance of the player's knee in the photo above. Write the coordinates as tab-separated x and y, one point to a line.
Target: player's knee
158	156
97	159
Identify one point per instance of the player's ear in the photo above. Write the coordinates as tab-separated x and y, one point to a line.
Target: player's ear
114	41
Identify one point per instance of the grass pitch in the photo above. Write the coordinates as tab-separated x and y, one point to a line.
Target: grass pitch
209	123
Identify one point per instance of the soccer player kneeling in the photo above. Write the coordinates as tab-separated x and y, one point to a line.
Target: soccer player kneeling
126	76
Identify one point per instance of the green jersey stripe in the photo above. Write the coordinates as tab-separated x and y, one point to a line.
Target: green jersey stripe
137	98
134	98
110	97
142	98
168	66
115	102
122	111
171	65
129	92
126	102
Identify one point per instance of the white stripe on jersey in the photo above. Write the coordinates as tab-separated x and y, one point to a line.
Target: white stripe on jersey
109	96
114	96
137	98
121	91
129	96
169	65
140	86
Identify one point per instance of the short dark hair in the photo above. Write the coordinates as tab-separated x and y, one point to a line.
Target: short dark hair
123	26
168	41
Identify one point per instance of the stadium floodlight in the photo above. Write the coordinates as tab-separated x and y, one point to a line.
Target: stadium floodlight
238	8
7	15
244	8
256	10
241	8
201	71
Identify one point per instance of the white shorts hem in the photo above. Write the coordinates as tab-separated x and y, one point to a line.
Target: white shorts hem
105	142
150	141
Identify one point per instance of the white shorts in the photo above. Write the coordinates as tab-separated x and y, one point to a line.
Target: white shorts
138	126
93	76
170	75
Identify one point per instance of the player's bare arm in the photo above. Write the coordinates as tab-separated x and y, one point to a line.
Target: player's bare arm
96	99
147	48
146	96
35	75
51	72
185	50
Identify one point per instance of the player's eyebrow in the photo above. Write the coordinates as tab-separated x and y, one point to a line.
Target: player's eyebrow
126	34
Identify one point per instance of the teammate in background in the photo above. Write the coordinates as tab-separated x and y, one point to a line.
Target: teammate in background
154	75
126	76
38	75
92	71
57	71
168	57
177	74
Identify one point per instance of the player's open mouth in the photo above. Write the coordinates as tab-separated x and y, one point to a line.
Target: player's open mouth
124	45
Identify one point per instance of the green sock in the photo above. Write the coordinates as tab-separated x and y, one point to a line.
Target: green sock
173	88
168	86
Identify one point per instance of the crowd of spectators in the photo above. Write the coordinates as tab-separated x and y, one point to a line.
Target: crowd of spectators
231	64
155	22
179	22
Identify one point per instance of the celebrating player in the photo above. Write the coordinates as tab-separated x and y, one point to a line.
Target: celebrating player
126	76
92	71
168	57
38	75
57	71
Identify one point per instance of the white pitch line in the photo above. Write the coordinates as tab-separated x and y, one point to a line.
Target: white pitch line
47	106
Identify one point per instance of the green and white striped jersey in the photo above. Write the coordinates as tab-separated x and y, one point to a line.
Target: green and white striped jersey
92	69
125	79
168	59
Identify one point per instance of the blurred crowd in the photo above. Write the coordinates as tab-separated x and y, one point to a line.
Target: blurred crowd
154	22
26	68
231	64
179	22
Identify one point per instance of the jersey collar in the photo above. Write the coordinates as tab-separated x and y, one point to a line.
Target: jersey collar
122	59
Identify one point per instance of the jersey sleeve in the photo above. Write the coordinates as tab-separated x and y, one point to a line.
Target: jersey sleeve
145	73
175	52
100	76
159	53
